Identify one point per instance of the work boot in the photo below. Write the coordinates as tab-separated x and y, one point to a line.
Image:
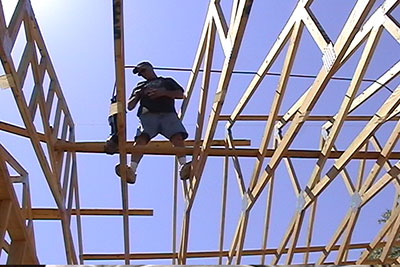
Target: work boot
185	170
130	175
111	147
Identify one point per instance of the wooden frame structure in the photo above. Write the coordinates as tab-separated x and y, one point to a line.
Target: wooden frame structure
282	127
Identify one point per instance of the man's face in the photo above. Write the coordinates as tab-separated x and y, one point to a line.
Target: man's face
145	71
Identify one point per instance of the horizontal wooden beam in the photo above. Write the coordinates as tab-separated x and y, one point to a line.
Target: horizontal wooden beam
163	145
309	118
212	254
53	214
7	127
156	149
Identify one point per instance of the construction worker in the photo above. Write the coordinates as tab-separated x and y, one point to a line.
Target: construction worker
157	115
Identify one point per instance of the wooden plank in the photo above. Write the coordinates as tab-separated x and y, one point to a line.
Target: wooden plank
277	100
17	252
390	104
393	27
10	128
223	207
236	164
310	229
387	165
38	75
182	256
175	211
196	64
153	145
235	6
346	178
242	235
14	129
263	70
381	183
285	239
53	214
361	170
346	104
119	56
319	35
237	33
234	243
28	121
16	22
355	44
312	214
240	152
46	63
295	236
57	119
267	220
214	254
222	28
3	27
290	169
13	162
355	20
77	202
16	227
371	90
67	179
24	64
5	210
383	159
309	118
203	95
344	246
331	245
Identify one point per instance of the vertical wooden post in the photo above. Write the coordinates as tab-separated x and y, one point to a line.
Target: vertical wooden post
118	16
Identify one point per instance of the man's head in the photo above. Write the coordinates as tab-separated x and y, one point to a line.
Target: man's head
145	69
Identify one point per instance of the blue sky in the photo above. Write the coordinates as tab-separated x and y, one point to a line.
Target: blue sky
79	37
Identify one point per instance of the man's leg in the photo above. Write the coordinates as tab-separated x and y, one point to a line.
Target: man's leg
184	167
141	140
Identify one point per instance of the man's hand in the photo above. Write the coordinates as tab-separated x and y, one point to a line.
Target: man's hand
156	93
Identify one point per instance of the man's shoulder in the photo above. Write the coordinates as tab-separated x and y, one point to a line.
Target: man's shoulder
170	81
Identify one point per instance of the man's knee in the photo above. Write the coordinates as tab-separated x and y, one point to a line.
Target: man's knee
142	140
177	139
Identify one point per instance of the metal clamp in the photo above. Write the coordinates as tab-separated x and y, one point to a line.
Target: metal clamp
301	201
329	57
355	201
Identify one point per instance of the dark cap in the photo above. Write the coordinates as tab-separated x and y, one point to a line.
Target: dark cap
141	65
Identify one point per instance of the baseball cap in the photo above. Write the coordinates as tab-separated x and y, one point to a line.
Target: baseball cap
141	65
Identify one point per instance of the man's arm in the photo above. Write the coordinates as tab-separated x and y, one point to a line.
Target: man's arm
132	102
170	89
134	98
162	92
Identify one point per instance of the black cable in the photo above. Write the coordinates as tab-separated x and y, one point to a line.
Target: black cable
306	76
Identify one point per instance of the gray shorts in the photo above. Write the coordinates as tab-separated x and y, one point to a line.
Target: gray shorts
167	124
